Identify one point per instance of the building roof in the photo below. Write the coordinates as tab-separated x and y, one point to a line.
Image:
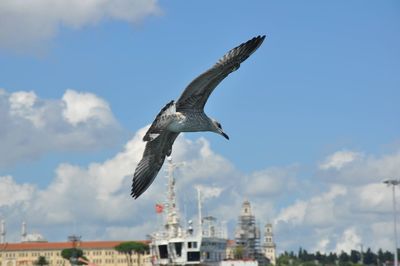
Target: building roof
230	242
61	245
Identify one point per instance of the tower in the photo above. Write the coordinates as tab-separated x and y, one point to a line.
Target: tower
269	245
247	235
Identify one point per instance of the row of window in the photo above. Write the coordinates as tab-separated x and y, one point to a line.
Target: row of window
29	254
55	253
214	244
214	256
96	261
100	252
37	254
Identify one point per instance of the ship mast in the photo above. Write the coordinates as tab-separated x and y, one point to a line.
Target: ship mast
200	229
173	220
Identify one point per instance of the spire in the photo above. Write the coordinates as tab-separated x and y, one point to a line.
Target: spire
2	232
246	208
23	232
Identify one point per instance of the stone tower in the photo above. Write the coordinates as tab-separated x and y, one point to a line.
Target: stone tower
247	233
269	244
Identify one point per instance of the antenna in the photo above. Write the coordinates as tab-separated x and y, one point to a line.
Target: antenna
23	232
199	208
2	232
172	212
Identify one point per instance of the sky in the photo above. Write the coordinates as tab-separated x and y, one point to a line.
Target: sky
312	116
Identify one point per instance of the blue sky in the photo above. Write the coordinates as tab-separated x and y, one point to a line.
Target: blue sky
312	109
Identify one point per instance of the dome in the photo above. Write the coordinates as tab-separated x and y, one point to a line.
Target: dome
34	238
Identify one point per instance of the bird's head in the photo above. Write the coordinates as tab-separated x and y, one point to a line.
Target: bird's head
217	128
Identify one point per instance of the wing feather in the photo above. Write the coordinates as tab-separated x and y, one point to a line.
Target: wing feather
160	122
153	158
197	92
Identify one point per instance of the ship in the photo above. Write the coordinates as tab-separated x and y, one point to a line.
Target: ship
200	243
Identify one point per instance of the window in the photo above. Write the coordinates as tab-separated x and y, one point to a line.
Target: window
192	244
163	250
178	249
193	256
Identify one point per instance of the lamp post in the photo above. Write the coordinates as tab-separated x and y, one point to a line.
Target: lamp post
394	183
74	256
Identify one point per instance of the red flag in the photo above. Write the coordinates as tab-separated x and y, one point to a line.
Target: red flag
159	208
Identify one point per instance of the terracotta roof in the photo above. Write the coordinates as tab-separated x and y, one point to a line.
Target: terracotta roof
230	242
60	245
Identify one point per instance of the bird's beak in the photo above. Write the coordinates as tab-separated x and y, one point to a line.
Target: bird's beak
224	135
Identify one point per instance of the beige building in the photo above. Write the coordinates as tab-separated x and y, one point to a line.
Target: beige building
269	244
98	252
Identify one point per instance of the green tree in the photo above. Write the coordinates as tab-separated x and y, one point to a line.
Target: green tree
319	257
128	248
332	258
287	259
305	256
344	258
41	261
238	252
74	254
355	256
300	253
369	257
283	259
386	257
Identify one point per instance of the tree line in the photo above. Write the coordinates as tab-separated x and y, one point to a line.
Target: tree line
126	248
354	258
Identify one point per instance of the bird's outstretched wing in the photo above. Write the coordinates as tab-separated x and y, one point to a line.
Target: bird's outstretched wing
153	158
161	122
195	95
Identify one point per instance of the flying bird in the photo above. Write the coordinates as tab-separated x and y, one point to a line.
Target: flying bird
186	115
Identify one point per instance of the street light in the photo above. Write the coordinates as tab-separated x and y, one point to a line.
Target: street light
74	256
393	183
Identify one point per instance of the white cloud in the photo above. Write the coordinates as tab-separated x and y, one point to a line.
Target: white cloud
31	126
318	210
343	208
322	245
339	159
209	191
293	214
321	209
22	105
373	197
80	107
27	24
349	240
12	193
270	182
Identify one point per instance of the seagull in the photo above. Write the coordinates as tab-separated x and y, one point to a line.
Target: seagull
186	115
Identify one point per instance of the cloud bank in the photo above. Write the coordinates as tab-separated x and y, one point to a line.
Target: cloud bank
31	126
27	24
332	216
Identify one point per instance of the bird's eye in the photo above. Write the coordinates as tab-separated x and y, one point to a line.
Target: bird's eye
218	124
